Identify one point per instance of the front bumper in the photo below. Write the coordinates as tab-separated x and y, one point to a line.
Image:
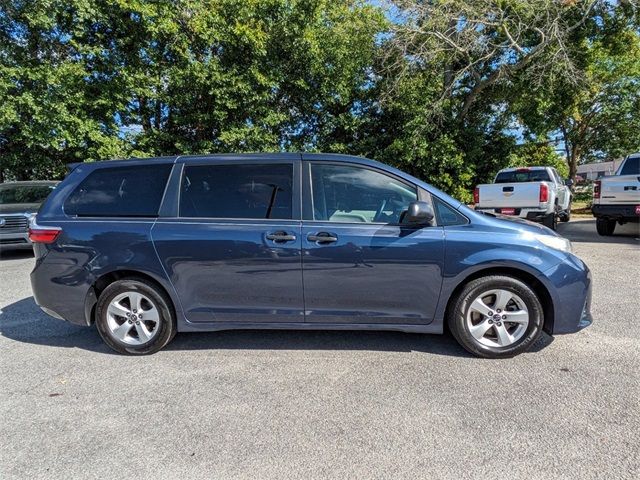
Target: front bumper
15	240
570	285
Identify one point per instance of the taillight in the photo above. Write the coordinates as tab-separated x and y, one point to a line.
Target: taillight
596	189
43	234
544	192
476	195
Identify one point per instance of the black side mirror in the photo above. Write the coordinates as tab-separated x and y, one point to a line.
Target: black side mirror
568	182
418	213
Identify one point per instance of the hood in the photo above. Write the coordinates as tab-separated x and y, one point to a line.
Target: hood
520	224
10	208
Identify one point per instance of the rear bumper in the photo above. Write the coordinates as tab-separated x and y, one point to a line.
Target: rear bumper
616	212
60	290
531	213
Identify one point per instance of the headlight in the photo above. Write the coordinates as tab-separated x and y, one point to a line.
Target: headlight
558	243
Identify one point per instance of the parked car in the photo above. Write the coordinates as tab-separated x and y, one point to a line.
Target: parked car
534	193
616	199
18	202
145	248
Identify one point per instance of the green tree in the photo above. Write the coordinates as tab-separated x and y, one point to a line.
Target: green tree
534	154
48	115
87	79
596	114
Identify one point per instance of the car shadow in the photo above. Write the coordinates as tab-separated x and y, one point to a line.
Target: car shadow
23	321
584	230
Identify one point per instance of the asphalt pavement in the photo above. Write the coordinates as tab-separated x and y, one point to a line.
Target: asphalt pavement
287	404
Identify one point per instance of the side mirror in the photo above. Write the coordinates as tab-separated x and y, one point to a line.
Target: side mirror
568	182
418	213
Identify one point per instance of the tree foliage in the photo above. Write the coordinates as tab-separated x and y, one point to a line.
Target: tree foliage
84	80
449	90
597	114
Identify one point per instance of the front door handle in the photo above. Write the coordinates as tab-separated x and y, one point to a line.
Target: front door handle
280	237
322	237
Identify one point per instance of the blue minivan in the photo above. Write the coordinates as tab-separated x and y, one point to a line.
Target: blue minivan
145	248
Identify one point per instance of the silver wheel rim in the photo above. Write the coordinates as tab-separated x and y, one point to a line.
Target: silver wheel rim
497	318
132	318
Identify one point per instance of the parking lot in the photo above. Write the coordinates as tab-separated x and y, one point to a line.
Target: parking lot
278	404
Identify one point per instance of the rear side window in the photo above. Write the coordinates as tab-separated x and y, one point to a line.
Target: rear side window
631	166
132	191
523	176
237	191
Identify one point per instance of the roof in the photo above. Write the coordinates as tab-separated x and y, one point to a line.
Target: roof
229	156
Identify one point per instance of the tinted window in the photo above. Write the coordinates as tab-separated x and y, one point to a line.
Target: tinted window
354	194
447	215
523	176
134	191
24	193
237	191
631	166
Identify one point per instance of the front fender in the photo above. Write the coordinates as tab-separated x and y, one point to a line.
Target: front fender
472	250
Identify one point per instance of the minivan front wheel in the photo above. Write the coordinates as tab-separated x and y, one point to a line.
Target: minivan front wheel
496	316
134	317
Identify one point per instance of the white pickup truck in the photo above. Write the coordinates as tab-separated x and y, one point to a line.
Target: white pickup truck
616	199
535	193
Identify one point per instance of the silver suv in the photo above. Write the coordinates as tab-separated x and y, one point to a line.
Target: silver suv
18	202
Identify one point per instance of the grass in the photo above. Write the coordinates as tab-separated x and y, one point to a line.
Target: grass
581	208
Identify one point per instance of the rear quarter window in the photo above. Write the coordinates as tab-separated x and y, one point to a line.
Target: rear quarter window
129	191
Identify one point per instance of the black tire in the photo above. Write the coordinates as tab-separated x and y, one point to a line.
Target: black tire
567	214
605	227
166	325
550	221
460	305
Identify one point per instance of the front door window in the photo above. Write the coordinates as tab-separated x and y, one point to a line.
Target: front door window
343	193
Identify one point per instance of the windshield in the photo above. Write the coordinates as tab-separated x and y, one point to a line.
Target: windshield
523	176
24	193
631	166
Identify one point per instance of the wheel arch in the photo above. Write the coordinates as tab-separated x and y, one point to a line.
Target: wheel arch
526	277
104	280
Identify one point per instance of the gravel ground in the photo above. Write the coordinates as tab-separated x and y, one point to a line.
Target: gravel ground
276	404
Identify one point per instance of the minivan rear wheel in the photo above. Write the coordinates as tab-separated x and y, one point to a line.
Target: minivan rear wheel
496	317
134	317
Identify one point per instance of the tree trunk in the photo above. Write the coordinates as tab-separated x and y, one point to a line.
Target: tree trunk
573	162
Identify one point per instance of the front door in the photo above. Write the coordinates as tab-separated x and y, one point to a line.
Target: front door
233	251
360	265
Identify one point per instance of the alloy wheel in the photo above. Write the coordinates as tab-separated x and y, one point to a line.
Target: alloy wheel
497	318
133	318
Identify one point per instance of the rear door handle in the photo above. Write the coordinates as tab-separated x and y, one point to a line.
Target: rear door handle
280	237
322	237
